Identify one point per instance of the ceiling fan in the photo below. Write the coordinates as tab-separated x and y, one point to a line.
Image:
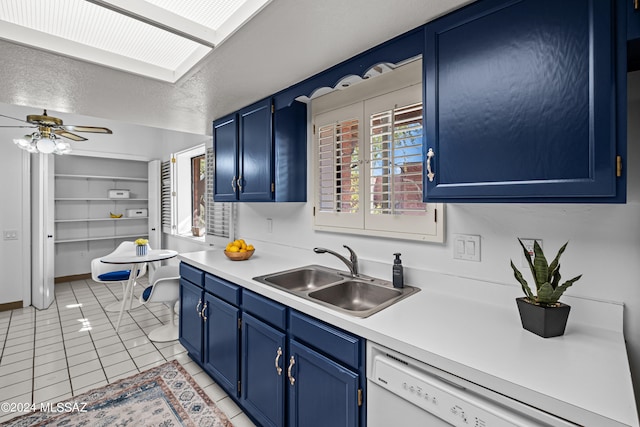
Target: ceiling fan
48	129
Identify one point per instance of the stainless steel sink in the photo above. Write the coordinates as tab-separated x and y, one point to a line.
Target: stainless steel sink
306	278
359	296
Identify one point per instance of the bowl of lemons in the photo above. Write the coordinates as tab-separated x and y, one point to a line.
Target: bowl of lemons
239	250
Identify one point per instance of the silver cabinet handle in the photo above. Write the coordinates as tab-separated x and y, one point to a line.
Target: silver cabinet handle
292	362
278	354
430	174
240	183
198	307
233	183
204	309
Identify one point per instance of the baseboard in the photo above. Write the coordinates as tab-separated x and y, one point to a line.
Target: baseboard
75	277
10	306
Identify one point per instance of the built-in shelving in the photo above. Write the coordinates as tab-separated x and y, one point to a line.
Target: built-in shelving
96	199
89	239
102	219
83	226
108	178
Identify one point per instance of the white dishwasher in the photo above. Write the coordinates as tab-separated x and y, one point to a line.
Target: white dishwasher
402	391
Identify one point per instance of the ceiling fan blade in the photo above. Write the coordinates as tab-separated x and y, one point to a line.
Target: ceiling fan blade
13	118
71	136
18	126
91	129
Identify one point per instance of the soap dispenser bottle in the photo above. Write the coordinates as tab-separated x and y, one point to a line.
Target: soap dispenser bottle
398	274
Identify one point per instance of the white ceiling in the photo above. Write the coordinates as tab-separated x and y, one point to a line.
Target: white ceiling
162	39
284	43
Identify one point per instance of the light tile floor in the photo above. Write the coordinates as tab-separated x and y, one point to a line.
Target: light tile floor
72	347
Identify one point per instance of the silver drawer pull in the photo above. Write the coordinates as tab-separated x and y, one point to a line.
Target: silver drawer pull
430	174
292	362
233	183
278	354
198	307
203	313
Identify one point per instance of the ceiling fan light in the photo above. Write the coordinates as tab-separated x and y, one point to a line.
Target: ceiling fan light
22	142
62	147
46	145
31	148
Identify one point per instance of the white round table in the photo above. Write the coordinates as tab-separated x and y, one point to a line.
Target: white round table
136	262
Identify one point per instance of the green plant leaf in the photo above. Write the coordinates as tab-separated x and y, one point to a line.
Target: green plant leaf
545	294
557	293
525	286
555	264
555	277
527	255
541	266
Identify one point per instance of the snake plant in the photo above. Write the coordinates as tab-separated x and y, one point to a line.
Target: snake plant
546	276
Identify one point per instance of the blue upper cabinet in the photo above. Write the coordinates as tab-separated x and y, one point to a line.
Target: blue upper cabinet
260	155
523	100
633	19
225	145
256	152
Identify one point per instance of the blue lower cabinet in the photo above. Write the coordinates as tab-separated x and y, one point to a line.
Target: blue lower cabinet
222	343
263	371
321	392
190	325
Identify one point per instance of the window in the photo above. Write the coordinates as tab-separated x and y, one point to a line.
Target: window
187	206
368	161
198	195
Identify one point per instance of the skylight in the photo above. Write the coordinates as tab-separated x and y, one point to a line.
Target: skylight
162	39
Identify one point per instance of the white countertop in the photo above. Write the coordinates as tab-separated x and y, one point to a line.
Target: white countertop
472	329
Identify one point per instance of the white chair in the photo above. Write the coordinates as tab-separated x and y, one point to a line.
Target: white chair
110	273
165	288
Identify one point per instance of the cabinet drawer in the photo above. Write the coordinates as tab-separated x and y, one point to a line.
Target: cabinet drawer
192	274
327	339
223	289
265	309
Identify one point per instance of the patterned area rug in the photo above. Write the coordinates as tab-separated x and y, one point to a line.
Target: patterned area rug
164	396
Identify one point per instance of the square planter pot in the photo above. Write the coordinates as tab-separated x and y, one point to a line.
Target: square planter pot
544	321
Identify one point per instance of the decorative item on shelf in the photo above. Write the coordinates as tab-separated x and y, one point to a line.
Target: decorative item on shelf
136	213
119	194
239	250
142	246
112	215
542	313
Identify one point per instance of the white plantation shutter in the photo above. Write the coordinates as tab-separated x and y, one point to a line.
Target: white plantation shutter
338	170
219	215
166	202
394	149
395	174
369	168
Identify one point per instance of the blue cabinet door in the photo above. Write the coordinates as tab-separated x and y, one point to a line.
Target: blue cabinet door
190	325
263	371
520	102
222	342
321	392
633	19
255	152
225	146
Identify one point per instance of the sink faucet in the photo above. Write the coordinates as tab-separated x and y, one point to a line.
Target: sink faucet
352	264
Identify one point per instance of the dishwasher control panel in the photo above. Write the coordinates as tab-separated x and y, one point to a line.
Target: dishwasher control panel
450	402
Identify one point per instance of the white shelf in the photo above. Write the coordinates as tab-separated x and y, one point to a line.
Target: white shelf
100	219
97	199
108	178
90	239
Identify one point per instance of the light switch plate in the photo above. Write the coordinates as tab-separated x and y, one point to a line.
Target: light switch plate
466	247
528	243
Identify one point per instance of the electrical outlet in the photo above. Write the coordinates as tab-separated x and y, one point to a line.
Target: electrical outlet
528	243
466	247
10	234
269	225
